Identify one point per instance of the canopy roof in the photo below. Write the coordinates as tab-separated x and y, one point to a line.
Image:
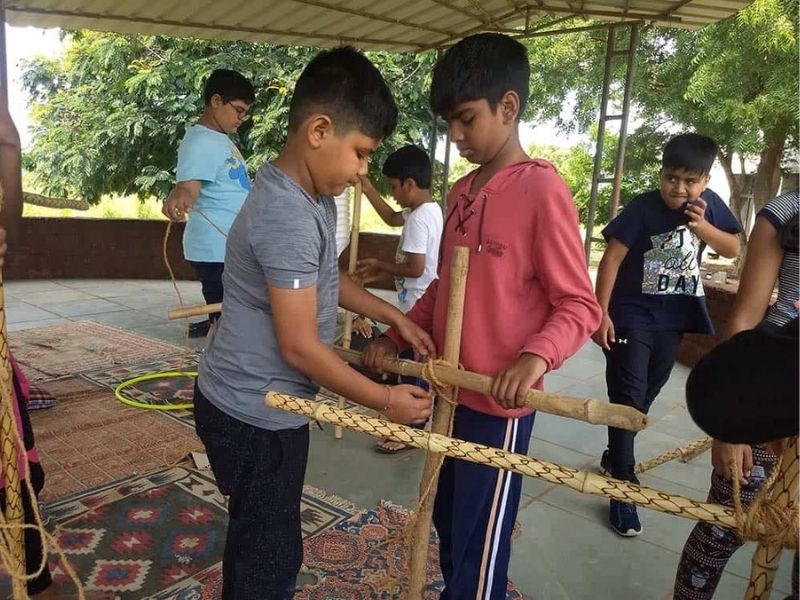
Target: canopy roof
399	25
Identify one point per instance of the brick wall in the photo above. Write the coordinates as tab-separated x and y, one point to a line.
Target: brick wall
132	249
121	249
94	248
719	297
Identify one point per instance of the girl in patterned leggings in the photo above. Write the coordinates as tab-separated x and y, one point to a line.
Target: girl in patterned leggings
772	256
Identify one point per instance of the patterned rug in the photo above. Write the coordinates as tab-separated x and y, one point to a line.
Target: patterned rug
91	439
362	558
76	347
158	536
172	390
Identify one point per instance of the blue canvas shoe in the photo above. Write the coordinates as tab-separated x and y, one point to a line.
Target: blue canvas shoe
624	519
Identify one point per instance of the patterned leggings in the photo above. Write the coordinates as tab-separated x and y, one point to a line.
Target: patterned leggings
709	547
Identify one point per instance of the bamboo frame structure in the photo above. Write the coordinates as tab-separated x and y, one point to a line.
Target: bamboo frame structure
767	556
10	451
441	425
581	481
347	334
581	409
686	453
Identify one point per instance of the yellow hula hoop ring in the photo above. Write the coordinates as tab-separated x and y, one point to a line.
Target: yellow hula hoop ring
150	376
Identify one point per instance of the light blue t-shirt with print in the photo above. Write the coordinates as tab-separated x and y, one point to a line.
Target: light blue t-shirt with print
212	158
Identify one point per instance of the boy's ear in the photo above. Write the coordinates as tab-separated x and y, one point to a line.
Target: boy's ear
216	101
509	107
409	184
318	129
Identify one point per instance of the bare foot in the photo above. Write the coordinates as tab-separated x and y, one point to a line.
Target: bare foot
391	447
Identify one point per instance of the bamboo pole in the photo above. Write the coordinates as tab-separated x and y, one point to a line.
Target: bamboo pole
686	453
767	556
581	481
194	311
347	334
442	425
586	409
8	441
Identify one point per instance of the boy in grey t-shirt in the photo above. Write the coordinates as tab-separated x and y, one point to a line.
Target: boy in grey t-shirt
282	287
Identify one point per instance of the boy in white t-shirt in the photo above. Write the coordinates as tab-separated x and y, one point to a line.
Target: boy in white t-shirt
408	173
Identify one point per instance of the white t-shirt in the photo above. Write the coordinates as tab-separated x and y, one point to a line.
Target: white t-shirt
421	234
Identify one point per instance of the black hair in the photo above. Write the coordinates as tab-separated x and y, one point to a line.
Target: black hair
482	66
230	85
343	84
409	162
691	152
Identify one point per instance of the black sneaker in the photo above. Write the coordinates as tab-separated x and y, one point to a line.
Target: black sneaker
199	329
605	464
624	519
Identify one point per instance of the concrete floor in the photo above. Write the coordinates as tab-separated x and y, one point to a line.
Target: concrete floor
565	550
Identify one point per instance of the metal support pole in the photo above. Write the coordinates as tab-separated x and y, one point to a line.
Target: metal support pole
598	153
623	126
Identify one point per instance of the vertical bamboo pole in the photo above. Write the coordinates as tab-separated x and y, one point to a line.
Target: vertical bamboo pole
8	433
766	557
442	416
347	334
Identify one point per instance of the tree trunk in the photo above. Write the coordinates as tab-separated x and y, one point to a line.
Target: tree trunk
768	173
765	187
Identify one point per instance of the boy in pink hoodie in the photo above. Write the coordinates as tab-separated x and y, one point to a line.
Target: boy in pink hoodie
529	302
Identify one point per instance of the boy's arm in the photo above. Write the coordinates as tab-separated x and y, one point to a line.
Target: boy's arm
181	199
294	313
760	272
615	253
560	265
722	242
356	299
370	268
390	217
392	342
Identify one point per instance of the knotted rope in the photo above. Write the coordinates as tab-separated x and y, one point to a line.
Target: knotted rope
765	520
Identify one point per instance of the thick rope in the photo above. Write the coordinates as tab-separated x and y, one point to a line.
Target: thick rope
446	394
764	520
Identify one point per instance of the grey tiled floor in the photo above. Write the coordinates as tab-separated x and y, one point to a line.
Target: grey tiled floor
565	550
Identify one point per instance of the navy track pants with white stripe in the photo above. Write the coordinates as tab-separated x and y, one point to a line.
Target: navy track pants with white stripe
476	508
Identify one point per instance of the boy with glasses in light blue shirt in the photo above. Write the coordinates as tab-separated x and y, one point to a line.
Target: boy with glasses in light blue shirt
212	182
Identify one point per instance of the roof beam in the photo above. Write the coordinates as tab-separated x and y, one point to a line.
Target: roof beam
466	13
302	36
583	12
374	17
669	12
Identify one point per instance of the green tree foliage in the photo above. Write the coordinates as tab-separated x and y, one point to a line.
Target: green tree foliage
736	81
109	114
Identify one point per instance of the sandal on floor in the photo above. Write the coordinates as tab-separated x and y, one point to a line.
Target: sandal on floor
380	449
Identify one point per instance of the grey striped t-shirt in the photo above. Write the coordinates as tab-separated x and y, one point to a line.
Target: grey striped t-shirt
284	238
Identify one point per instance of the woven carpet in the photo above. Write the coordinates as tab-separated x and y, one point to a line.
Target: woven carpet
361	558
70	348
92	439
158	536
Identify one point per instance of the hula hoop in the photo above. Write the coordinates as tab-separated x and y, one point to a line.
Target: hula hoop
131	382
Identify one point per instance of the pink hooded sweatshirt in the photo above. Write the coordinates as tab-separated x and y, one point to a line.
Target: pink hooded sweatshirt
528	290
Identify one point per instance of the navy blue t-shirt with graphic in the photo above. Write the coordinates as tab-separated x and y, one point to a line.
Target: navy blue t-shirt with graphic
658	285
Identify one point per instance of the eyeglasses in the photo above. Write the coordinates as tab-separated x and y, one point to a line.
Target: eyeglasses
242	112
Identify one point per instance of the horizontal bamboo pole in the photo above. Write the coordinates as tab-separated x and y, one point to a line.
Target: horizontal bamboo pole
194	311
586	409
581	481
686	453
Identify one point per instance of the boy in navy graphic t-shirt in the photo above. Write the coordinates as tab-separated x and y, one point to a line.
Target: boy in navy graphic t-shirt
649	287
